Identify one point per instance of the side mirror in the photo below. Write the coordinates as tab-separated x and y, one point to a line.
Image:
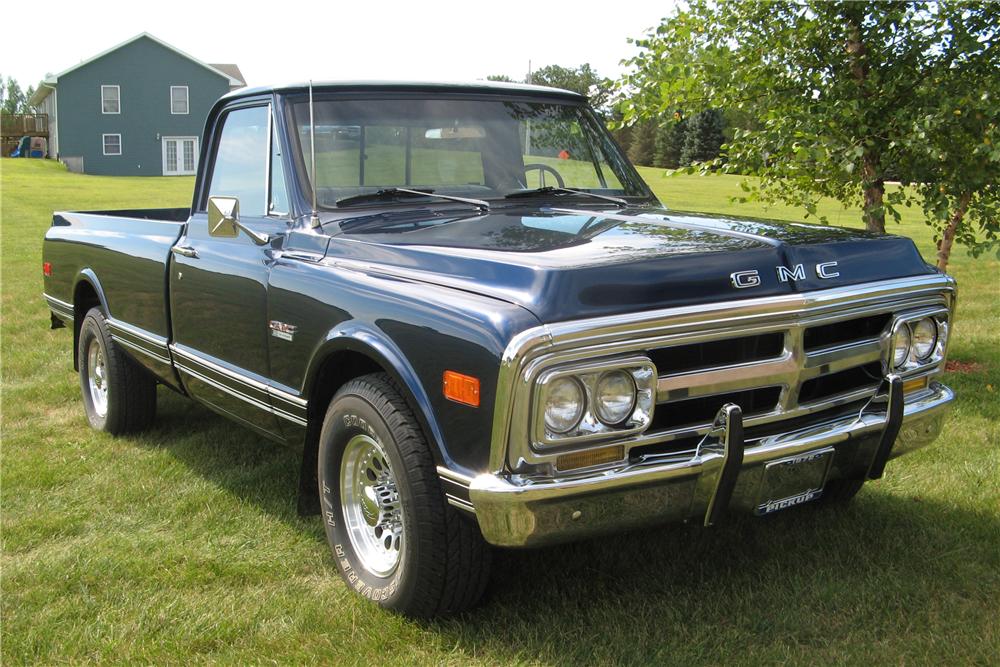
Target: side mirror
223	217
224	220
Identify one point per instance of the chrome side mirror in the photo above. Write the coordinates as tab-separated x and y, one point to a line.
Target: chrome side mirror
224	220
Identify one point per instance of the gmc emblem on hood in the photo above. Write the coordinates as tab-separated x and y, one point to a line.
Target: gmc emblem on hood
744	279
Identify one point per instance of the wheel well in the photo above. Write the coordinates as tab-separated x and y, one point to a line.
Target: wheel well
335	371
84	298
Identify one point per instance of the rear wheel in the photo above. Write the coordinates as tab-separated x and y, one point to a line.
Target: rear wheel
396	540
119	396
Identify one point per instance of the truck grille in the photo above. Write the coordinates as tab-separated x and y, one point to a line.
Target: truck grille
794	375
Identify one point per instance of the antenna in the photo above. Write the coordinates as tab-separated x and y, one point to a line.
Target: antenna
314	219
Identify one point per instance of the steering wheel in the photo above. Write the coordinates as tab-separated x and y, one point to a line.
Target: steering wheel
542	168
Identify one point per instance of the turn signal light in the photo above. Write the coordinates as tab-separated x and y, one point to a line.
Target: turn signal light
461	388
915	385
590	457
47	268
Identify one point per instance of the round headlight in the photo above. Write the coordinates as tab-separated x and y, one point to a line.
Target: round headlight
924	337
901	346
563	405
614	397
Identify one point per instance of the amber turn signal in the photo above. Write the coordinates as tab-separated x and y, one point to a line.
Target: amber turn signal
591	457
915	385
461	388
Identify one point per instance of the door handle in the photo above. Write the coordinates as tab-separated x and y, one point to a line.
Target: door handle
184	251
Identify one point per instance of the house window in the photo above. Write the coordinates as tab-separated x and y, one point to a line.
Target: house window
178	99
112	144
111	99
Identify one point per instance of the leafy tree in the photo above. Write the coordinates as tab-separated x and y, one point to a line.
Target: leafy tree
836	91
703	138
583	79
500	77
14	100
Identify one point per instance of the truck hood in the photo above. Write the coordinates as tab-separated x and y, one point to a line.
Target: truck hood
564	263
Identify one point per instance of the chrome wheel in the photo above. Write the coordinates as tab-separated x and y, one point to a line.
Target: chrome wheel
373	513
97	377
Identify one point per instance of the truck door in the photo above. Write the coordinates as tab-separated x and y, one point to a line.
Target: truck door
218	286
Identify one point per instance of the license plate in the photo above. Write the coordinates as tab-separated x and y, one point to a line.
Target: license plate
794	480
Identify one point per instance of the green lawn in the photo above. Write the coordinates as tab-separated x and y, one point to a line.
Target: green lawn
184	544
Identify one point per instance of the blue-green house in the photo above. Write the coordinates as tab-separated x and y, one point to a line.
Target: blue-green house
137	109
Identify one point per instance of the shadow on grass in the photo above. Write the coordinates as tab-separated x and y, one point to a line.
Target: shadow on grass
887	571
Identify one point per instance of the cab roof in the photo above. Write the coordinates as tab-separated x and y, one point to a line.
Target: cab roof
486	87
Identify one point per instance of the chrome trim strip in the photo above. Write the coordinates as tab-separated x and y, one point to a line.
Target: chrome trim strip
452	476
59	307
460	504
243	397
533	350
137	348
293	410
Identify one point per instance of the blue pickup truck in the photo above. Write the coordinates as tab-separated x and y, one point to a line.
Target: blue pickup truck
480	327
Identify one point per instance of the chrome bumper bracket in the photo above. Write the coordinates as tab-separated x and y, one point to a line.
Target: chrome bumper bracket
893	422
730	418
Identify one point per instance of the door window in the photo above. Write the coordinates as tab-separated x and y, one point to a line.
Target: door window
240	168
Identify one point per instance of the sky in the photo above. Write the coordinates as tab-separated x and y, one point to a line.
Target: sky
297	41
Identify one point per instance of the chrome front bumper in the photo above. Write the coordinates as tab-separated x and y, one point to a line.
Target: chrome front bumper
520	513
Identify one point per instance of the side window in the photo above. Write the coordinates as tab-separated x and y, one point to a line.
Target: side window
240	168
279	196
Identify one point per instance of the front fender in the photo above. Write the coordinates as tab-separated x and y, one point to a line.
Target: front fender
362	338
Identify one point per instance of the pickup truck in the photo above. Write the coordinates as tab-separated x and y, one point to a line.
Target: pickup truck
480	328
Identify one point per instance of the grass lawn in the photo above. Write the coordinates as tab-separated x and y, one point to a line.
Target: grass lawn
184	543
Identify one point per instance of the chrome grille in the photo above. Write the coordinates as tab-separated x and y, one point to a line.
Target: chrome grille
727	350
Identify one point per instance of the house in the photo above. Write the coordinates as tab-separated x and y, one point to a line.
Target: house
137	109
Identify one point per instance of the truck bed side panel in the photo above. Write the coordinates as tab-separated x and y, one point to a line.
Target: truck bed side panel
127	258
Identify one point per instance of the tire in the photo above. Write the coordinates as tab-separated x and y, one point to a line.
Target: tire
840	491
394	537
119	395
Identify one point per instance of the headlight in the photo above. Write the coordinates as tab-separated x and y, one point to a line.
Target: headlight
924	338
564	404
614	397
901	345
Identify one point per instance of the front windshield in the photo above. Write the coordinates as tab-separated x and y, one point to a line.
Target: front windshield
484	149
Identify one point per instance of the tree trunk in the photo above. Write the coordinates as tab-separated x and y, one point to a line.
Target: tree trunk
873	187
948	239
872	183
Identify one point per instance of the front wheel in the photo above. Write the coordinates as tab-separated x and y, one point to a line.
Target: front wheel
394	537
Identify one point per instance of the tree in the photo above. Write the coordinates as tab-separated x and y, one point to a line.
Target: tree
703	138
643	147
500	77
670	138
836	91
583	79
14	100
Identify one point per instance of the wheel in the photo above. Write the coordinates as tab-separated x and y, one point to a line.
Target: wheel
394	537
119	396
840	491
542	169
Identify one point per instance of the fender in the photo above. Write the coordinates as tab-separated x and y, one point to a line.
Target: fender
357	336
85	275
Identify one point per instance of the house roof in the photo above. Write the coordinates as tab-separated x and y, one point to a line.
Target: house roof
48	84
232	70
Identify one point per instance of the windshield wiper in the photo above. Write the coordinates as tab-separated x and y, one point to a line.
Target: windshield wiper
548	189
395	193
